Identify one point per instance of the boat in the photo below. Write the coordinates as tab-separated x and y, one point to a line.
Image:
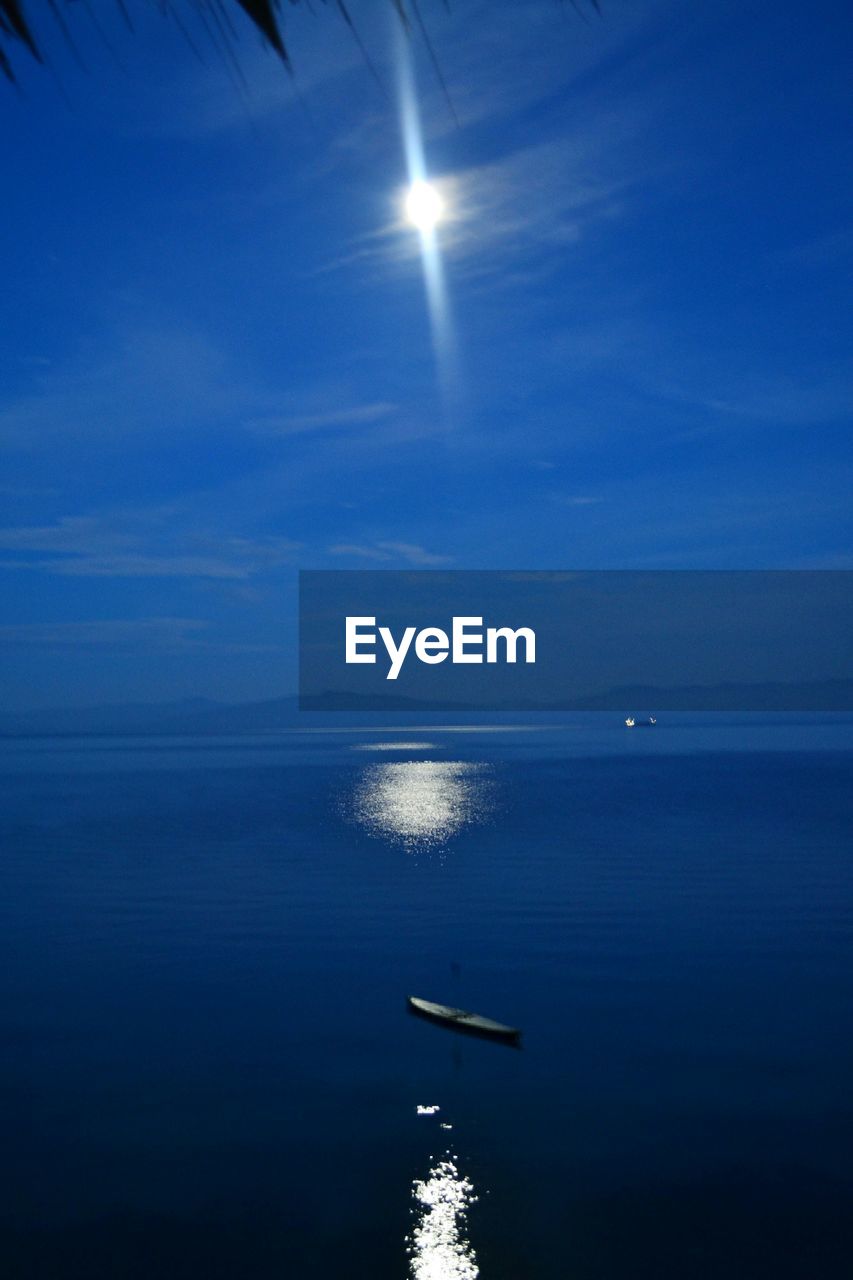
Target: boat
460	1020
630	722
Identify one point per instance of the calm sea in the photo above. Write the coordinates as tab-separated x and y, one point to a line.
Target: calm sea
208	1069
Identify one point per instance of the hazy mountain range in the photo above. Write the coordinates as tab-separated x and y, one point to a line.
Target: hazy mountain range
204	716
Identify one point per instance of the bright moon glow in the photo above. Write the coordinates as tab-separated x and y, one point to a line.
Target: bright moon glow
424	205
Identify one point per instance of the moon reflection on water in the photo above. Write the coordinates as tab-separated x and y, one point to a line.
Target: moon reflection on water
438	1246
422	803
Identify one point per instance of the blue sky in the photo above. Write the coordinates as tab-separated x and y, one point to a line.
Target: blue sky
218	364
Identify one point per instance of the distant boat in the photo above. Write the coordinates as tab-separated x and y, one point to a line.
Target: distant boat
460	1020
631	722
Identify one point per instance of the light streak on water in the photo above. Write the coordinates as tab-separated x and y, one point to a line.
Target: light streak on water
439	1248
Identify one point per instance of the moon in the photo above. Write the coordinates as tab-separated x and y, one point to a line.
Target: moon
424	206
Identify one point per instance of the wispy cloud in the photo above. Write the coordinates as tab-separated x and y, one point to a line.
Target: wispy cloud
812	398
386	552
164	387
343	416
135	380
550	194
140	545
111	633
167	635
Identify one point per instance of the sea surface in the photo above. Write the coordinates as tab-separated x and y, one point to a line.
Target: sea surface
207	1067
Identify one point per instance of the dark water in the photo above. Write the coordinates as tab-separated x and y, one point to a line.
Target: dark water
207	1065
